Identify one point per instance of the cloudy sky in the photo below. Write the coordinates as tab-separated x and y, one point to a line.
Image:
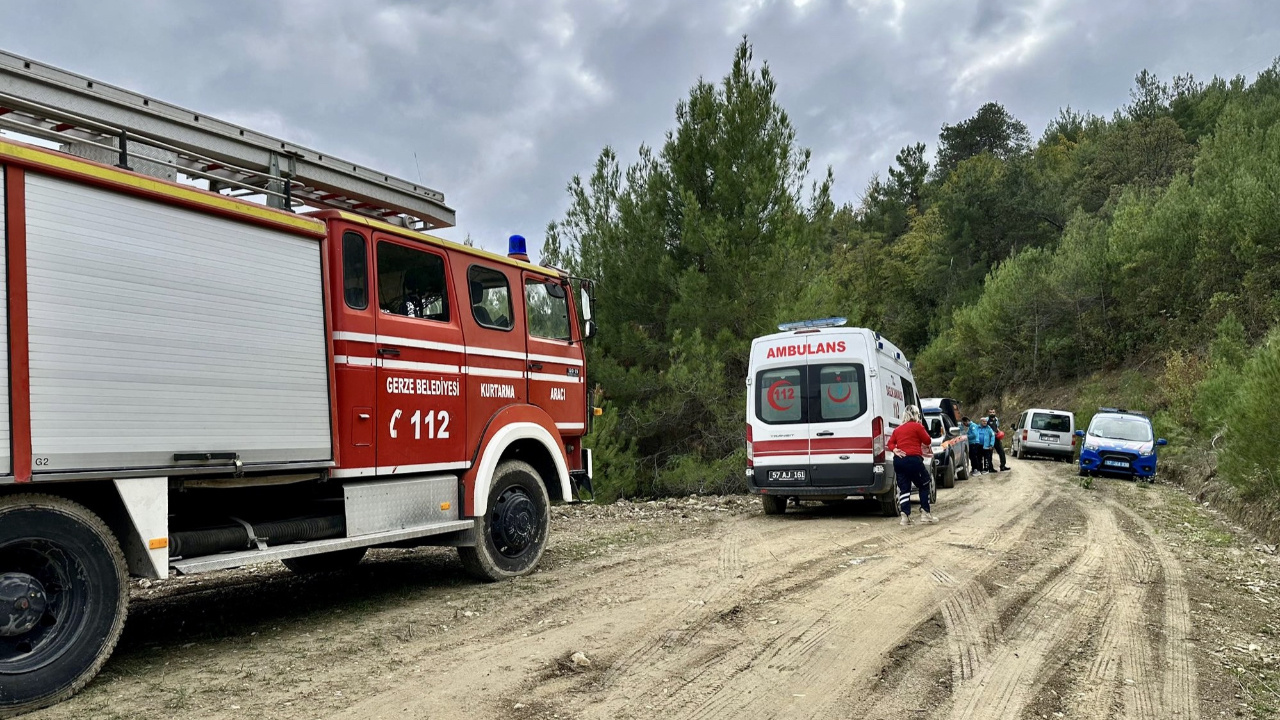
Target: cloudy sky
502	101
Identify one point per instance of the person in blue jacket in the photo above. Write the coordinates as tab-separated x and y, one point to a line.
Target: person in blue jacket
987	438
975	444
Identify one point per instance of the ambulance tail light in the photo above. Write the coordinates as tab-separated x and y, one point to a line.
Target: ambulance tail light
877	439
751	453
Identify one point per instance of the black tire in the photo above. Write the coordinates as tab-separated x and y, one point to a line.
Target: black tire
889	504
773	504
933	492
1083	472
1013	451
326	562
948	475
512	535
963	471
79	605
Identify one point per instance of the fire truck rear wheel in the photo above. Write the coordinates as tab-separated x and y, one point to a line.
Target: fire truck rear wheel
512	534
326	562
65	591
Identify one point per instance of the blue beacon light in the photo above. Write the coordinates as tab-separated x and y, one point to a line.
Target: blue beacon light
516	248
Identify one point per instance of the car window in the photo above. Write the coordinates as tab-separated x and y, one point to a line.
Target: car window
781	395
1120	428
1051	423
934	423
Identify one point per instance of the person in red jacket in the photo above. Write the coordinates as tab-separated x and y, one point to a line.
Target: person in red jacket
910	444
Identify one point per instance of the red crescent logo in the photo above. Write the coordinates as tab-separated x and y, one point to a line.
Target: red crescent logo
834	399
773	403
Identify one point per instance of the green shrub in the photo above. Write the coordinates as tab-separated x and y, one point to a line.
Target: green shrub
1250	457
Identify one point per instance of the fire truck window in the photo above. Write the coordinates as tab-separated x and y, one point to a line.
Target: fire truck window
490	298
548	315
781	395
355	271
841	393
412	283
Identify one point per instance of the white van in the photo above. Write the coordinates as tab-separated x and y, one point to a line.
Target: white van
1048	433
821	402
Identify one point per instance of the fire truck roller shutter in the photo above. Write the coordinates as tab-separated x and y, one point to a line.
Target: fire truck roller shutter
498	444
6	466
157	330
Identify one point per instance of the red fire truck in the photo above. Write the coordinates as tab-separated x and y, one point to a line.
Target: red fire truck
194	381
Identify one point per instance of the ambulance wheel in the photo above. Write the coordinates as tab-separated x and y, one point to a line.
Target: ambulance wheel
889	504
512	535
326	562
773	504
65	592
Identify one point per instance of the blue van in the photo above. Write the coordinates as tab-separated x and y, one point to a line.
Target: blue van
1120	442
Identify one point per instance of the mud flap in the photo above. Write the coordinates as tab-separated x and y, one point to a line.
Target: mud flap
580	480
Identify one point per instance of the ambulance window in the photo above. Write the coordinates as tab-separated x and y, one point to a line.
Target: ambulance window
548	315
842	395
411	282
781	399
490	298
908	392
355	271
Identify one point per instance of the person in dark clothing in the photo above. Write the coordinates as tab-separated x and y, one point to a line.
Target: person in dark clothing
993	422
975	444
987	440
910	444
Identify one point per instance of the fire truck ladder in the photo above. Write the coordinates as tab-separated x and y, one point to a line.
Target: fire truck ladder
104	122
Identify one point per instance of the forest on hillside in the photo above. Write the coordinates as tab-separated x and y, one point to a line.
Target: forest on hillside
1150	238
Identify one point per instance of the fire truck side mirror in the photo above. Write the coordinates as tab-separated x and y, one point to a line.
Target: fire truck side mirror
589	330
586	305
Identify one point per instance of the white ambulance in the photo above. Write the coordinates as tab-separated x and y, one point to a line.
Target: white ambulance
822	400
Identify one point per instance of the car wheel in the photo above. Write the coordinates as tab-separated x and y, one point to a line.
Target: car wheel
512	535
65	591
949	475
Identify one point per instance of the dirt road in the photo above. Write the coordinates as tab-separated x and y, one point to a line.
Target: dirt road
1034	597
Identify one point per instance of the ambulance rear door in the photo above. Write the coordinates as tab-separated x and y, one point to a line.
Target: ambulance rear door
778	416
840	421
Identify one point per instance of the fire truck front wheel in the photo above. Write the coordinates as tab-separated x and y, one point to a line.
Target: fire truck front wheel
64	595
512	534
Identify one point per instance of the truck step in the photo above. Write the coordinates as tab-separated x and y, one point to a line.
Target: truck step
224	561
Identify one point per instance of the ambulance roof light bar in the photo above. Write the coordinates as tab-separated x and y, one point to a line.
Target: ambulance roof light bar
813	324
54	104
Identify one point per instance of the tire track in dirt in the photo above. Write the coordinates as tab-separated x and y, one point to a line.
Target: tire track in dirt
1026	652
833	629
1179	689
1121	671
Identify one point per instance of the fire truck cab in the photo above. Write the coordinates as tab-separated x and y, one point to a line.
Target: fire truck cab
191	381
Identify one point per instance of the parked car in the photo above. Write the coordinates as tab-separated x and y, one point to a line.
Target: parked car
821	402
1044	432
950	446
1120	442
